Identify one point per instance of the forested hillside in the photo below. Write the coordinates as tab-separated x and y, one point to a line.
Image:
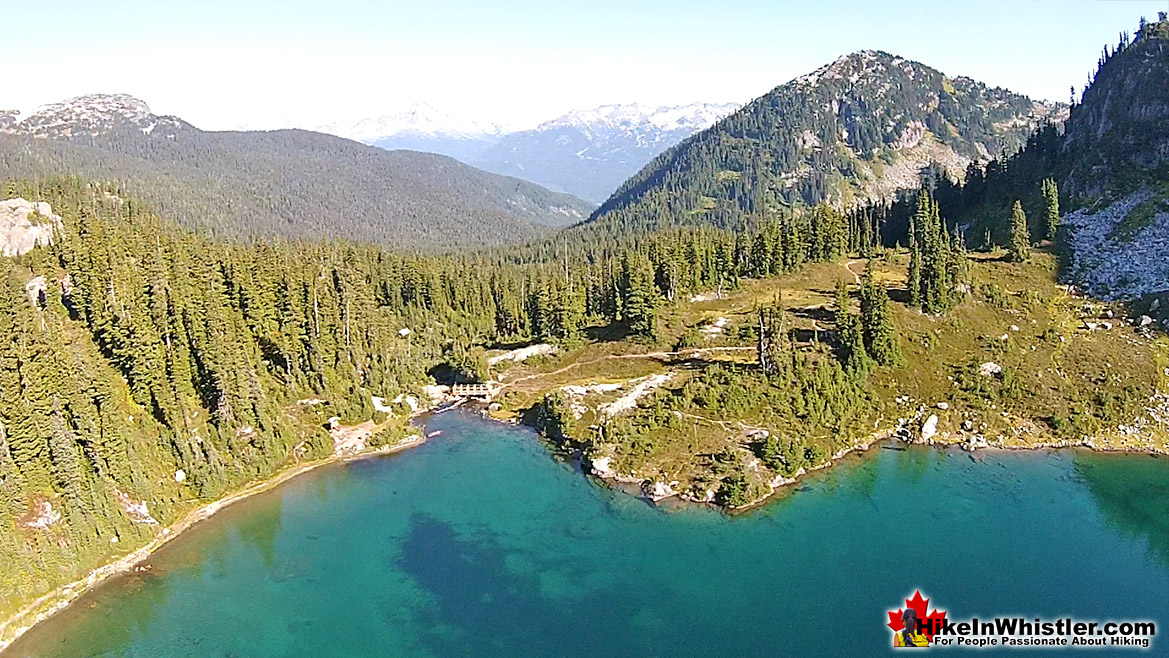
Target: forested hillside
289	183
146	368
858	129
1117	137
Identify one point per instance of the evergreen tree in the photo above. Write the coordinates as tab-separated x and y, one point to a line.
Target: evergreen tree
916	220
639	298
1020	235
932	269
877	328
772	336
1051	205
850	343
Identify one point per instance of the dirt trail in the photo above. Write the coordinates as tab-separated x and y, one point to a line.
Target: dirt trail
645	355
848	266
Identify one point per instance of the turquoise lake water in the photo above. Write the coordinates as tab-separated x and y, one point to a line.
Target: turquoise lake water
480	544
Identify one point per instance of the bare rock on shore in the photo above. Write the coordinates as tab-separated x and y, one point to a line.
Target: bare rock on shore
350	440
930	429
657	491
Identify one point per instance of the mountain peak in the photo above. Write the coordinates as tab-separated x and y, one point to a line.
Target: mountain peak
854	66
857	129
590	152
92	114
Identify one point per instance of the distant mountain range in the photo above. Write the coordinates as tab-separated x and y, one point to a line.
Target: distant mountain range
421	127
590	153
587	153
291	183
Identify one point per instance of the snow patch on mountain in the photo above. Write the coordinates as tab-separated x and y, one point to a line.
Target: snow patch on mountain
652	123
589	153
418	120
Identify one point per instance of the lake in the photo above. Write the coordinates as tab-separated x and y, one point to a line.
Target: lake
480	544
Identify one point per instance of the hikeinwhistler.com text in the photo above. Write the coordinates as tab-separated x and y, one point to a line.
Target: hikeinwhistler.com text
1018	632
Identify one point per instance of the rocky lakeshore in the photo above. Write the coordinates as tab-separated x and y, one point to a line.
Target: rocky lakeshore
920	429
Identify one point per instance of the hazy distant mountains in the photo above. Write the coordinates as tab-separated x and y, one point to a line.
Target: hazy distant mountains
290	183
590	153
421	127
587	153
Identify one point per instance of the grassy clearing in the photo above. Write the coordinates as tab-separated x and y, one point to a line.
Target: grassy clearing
1056	380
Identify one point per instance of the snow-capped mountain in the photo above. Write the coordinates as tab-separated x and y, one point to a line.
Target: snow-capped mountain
653	122
421	127
589	153
90	115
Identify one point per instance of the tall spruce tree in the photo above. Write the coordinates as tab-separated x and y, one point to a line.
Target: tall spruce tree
850	345
931	279
772	336
877	328
1051	206
1020	234
916	220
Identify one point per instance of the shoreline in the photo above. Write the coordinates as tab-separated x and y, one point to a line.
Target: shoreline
860	450
60	598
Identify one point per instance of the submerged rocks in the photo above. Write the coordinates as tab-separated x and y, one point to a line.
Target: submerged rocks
976	442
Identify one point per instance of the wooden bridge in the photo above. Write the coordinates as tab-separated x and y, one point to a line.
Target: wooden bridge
481	391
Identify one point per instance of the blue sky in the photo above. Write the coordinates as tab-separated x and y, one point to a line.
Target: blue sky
251	63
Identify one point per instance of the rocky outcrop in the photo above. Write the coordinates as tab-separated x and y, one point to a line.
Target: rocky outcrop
1119	250
25	225
1120	132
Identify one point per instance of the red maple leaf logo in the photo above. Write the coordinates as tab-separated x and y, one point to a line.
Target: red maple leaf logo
919	606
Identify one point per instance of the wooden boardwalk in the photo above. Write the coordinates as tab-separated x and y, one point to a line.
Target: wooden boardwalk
482	391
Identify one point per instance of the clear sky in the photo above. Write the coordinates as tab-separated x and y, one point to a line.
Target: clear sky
265	64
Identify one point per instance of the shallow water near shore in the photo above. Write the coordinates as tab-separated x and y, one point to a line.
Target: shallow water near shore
479	544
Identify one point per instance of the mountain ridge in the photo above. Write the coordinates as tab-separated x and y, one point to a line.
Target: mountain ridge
282	183
856	129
